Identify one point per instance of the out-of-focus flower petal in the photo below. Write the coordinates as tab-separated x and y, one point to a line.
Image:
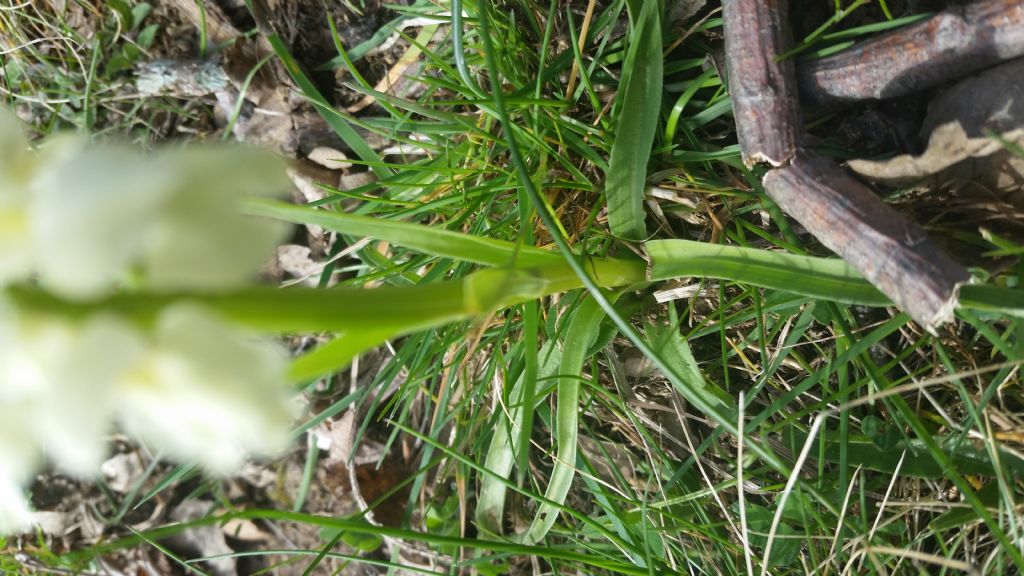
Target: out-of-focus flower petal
15	514
73	428
18	460
201	240
19	455
208	393
89	215
56	378
16	169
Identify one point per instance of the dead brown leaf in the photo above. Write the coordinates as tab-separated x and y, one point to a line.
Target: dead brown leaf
966	123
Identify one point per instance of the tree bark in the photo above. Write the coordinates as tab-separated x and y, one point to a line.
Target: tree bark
893	254
953	43
762	89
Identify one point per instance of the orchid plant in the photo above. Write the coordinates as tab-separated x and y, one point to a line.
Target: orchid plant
131	302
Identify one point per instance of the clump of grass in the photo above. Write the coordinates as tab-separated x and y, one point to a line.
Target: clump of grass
793	424
70	69
796	359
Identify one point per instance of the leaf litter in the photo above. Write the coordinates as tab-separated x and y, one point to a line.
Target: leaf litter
967	127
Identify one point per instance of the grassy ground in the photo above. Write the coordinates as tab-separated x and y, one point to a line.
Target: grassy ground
726	421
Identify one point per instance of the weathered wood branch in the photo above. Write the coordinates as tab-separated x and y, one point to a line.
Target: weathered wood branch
953	43
848	218
764	98
844	215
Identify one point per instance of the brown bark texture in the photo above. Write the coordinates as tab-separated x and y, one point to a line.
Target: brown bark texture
763	91
895	255
954	43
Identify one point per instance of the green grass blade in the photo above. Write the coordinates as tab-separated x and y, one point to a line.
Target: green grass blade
361	527
917	462
334	119
336	354
639	105
957	518
582	333
993	300
427	239
361	49
725	420
507	442
822	278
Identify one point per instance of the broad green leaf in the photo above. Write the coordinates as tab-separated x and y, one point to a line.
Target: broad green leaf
139	13
483	292
148	35
675	351
374	314
491	289
608	272
639	106
400	309
918	461
123	11
828	279
788	541
822	278
882	435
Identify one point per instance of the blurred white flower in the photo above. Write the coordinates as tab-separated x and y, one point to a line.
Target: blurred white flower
195	388
15	514
16	169
90	215
74	427
200	240
207	393
57	376
86	220
175	217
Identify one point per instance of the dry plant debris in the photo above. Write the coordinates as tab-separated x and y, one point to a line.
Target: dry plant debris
967	128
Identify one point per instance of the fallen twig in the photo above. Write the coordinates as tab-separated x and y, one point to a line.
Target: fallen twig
956	42
845	216
893	254
764	98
